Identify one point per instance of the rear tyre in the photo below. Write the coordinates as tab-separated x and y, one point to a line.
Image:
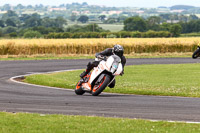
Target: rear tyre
78	89
196	53
98	88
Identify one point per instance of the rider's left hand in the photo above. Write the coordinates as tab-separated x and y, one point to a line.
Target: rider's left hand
122	73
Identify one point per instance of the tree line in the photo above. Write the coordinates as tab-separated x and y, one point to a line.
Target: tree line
33	25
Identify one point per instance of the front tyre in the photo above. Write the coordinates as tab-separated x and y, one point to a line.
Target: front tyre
196	53
78	89
99	87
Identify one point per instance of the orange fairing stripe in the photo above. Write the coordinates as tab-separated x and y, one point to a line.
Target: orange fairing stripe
77	86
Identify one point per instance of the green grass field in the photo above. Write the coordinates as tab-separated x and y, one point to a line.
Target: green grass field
38	123
110	27
165	80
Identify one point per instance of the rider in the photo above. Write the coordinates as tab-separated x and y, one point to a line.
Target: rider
116	50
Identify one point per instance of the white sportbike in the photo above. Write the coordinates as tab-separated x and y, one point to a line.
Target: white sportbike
101	77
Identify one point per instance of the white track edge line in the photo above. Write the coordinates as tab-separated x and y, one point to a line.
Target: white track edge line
13	80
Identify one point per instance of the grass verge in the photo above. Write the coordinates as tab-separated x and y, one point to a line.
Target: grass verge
165	80
82	56
32	123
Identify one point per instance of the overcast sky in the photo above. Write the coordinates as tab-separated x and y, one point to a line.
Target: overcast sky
117	3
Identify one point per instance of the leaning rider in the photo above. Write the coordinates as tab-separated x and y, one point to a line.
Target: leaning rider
116	50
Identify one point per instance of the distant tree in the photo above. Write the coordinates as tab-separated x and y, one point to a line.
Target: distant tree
29	6
183	18
121	19
24	17
93	28
60	21
153	23
193	26
9	14
9	22
87	28
33	21
83	19
75	28
165	16
9	29
41	29
165	26
173	17
110	21
2	24
102	17
73	17
193	17
20	6
175	29
135	24
84	4
6	7
1	32
48	22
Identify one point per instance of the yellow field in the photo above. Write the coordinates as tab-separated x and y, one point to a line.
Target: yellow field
91	46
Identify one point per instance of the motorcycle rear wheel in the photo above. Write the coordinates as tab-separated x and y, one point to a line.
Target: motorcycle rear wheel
78	89
196	54
98	88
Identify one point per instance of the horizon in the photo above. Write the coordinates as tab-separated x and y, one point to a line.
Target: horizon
111	3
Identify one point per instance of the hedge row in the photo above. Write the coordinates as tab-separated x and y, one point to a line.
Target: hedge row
122	34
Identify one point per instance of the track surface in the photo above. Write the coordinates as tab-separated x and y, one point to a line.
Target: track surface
16	97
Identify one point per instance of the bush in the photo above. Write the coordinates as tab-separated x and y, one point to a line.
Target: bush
136	34
66	35
121	34
124	34
32	34
13	34
111	36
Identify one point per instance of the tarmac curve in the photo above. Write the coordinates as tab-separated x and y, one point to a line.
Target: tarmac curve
15	97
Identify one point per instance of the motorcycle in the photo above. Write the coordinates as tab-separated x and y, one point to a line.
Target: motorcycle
197	52
101	76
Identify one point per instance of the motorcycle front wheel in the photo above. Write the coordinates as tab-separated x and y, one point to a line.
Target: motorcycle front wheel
78	89
99	87
196	54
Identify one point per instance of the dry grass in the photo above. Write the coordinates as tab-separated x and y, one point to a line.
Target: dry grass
91	46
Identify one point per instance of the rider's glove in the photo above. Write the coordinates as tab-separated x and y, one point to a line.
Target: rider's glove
122	73
97	55
101	57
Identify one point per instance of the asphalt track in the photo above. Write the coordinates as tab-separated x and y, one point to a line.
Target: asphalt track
15	97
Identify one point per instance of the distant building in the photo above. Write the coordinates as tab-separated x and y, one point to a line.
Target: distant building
76	12
177	11
57	9
2	12
114	12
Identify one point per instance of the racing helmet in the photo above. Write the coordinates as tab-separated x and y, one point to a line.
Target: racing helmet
118	50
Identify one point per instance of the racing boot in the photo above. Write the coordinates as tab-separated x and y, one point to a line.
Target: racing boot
83	74
90	66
